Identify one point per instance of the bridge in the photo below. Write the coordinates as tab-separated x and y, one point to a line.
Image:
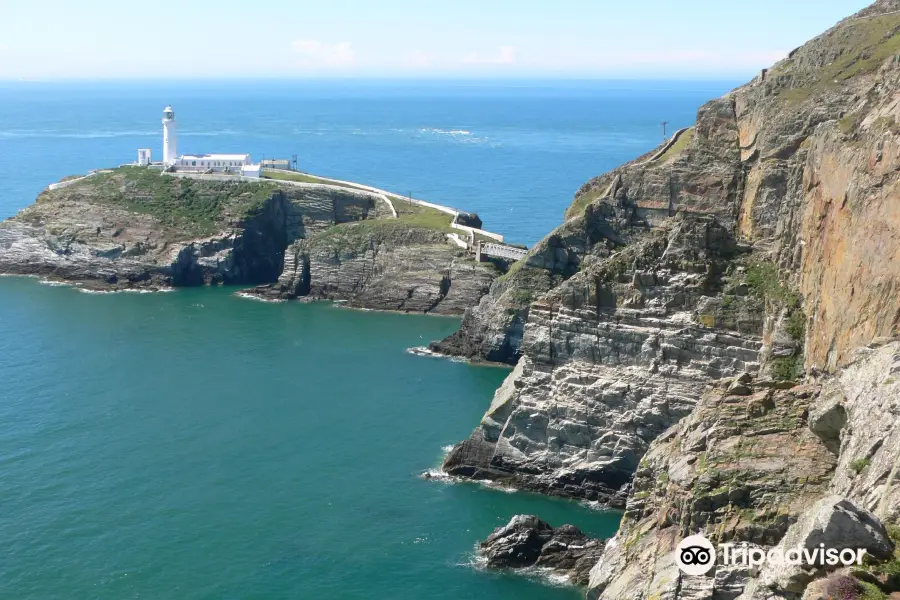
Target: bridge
499	251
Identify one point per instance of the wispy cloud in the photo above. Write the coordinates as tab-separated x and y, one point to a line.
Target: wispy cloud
314	53
506	56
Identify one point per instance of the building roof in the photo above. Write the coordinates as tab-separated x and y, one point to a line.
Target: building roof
214	156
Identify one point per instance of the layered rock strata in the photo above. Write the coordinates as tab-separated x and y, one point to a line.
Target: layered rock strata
612	358
757	464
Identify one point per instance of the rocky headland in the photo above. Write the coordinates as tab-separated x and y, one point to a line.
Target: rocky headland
710	339
139	228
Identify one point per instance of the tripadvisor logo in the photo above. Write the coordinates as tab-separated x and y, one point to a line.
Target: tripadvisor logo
696	555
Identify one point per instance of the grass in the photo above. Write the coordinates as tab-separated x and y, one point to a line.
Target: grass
763	278
302	178
357	235
787	368
871	592
679	146
858	465
416	215
198	207
408	213
796	324
581	202
861	47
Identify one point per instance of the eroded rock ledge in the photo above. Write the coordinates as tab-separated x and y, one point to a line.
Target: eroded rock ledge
612	358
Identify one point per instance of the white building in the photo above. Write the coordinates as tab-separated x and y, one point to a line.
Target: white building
200	163
170	136
216	162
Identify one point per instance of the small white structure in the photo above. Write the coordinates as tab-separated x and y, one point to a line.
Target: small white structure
143	157
170	136
253	171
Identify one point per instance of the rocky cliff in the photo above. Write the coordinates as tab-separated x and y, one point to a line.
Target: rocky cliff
137	228
700	286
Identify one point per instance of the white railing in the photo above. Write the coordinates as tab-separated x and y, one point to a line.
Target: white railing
503	251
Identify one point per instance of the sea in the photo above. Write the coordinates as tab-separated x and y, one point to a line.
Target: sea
199	445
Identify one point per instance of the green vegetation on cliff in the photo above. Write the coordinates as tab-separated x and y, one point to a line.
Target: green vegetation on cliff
583	199
302	178
197	207
860	47
360	235
414	215
679	146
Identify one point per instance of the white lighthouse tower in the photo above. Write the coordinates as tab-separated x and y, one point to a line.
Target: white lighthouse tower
170	136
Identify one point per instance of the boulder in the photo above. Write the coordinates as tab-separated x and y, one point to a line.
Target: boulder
827	417
835	522
527	541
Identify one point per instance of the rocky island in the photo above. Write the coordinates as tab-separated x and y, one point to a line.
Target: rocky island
710	339
291	236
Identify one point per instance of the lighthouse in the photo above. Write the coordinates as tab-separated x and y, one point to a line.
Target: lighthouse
170	136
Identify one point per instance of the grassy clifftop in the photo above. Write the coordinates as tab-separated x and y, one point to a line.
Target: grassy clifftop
198	207
202	207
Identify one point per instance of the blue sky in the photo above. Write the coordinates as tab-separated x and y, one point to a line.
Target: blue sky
60	39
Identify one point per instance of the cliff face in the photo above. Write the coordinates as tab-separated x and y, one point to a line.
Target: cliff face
750	462
386	267
611	358
696	286
132	227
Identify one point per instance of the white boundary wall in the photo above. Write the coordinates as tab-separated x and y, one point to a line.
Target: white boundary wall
387	195
62	184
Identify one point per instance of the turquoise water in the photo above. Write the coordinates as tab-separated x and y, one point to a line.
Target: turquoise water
198	445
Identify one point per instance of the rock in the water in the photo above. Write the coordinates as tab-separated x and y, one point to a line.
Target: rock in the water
527	541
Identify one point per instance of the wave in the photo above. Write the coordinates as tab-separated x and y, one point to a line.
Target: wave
457	135
544	575
425	351
442	477
439	131
259	299
85	290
